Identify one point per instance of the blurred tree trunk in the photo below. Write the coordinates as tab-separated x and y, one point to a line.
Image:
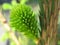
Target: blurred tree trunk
48	21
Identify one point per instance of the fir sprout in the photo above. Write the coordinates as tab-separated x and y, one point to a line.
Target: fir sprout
22	18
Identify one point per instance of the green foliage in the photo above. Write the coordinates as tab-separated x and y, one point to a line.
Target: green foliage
13	2
59	42
22	18
23	39
6	6
12	42
23	1
5	36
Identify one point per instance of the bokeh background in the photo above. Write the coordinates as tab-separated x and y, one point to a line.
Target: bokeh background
35	7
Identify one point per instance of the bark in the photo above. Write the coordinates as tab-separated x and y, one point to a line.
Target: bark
49	34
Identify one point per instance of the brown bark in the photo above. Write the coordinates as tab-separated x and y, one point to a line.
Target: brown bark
49	36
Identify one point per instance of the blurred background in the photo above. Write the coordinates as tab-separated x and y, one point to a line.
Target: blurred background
6	12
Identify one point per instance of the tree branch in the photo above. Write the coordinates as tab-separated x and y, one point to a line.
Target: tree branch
4	22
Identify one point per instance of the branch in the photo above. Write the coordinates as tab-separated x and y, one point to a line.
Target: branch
4	22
